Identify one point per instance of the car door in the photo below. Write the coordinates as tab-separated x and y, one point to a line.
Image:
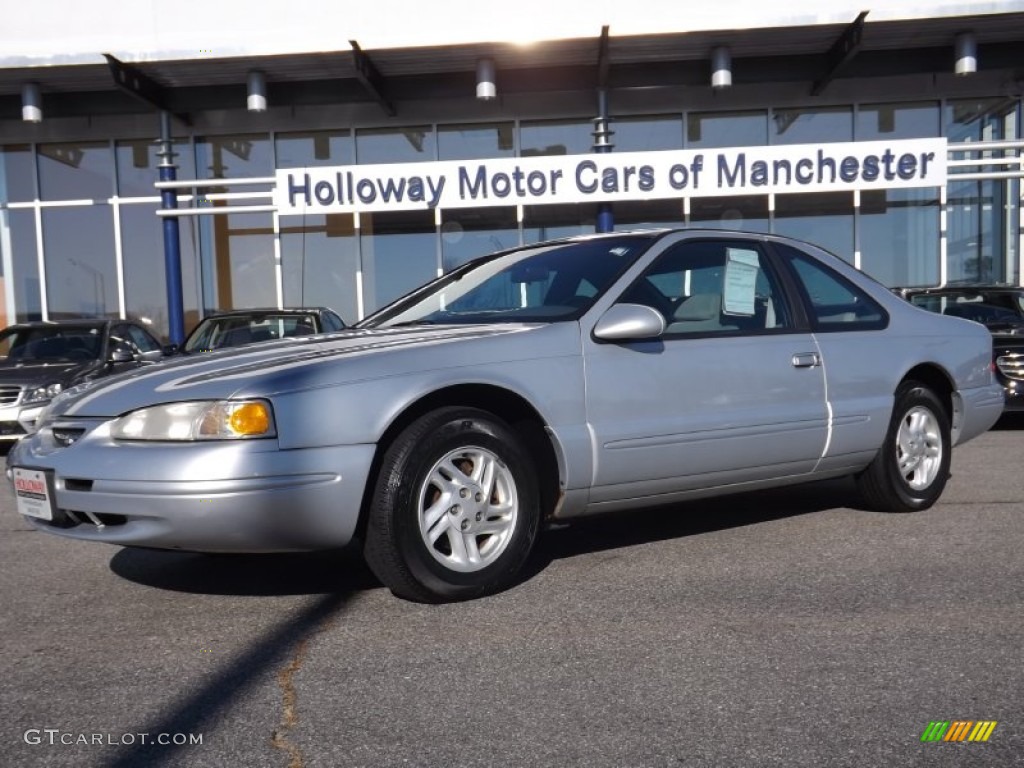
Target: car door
850	328
732	392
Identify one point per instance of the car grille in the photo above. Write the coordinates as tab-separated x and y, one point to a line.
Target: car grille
9	394
1012	365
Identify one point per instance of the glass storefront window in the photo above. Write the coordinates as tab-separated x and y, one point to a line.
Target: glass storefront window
642	134
555	137
899	236
399	253
237	261
977	119
547	222
76	171
647	214
20	237
412	144
914	120
747	212
145	277
17	180
981	243
313	148
137	166
811	125
476	141
81	274
824	219
467	233
321	262
319	257
709	130
234	157
982	216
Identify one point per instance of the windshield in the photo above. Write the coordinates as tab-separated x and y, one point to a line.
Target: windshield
557	281
46	345
988	307
235	330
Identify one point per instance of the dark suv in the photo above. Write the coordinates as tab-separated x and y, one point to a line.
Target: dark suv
39	360
998	307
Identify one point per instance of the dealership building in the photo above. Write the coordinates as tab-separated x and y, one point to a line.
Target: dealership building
163	162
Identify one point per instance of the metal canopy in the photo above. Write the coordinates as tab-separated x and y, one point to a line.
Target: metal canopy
140	86
370	78
817	55
841	53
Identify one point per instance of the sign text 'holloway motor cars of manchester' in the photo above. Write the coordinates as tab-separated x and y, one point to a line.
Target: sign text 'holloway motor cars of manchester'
527	387
613	176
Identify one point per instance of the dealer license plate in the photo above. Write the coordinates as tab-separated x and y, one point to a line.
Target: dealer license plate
33	493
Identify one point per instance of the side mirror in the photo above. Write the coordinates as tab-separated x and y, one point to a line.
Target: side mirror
121	354
629	322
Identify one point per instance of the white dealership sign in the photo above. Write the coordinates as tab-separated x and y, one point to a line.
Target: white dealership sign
613	176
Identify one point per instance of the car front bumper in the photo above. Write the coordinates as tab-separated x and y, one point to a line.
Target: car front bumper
239	496
10	427
1014	393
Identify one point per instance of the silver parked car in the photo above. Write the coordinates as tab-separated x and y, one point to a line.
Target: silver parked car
535	385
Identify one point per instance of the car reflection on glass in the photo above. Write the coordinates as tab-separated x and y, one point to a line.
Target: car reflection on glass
526	388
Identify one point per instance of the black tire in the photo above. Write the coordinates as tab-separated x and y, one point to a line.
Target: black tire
397	548
886	486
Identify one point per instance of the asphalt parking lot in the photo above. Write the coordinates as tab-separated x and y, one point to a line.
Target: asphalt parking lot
776	629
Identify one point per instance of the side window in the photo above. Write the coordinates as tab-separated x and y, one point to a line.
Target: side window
332	322
142	340
834	303
119	335
712	286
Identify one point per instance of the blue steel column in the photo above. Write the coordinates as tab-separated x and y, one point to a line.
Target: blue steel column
602	144
172	242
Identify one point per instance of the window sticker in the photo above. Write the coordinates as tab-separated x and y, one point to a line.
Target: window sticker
741	267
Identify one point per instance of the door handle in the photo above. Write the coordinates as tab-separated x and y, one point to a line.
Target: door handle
806	360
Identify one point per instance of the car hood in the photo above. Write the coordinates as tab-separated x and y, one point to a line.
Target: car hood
41	374
295	364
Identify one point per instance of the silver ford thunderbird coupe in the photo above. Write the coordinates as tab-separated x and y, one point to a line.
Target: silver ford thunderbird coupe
525	388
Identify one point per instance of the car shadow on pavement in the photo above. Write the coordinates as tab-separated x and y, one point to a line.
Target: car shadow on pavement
300	573
345	571
691	518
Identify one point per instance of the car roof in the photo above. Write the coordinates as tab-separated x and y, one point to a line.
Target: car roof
953	288
83	323
268	311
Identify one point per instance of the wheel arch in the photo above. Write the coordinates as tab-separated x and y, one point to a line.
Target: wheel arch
521	416
940	382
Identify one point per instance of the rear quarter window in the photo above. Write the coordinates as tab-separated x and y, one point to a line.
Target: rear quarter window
833	302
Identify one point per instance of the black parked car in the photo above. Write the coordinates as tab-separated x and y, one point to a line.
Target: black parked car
39	360
247	326
1001	309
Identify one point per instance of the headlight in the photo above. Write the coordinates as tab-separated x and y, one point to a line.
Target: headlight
42	394
205	420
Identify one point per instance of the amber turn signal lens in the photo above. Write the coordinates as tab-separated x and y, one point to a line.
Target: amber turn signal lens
250	419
